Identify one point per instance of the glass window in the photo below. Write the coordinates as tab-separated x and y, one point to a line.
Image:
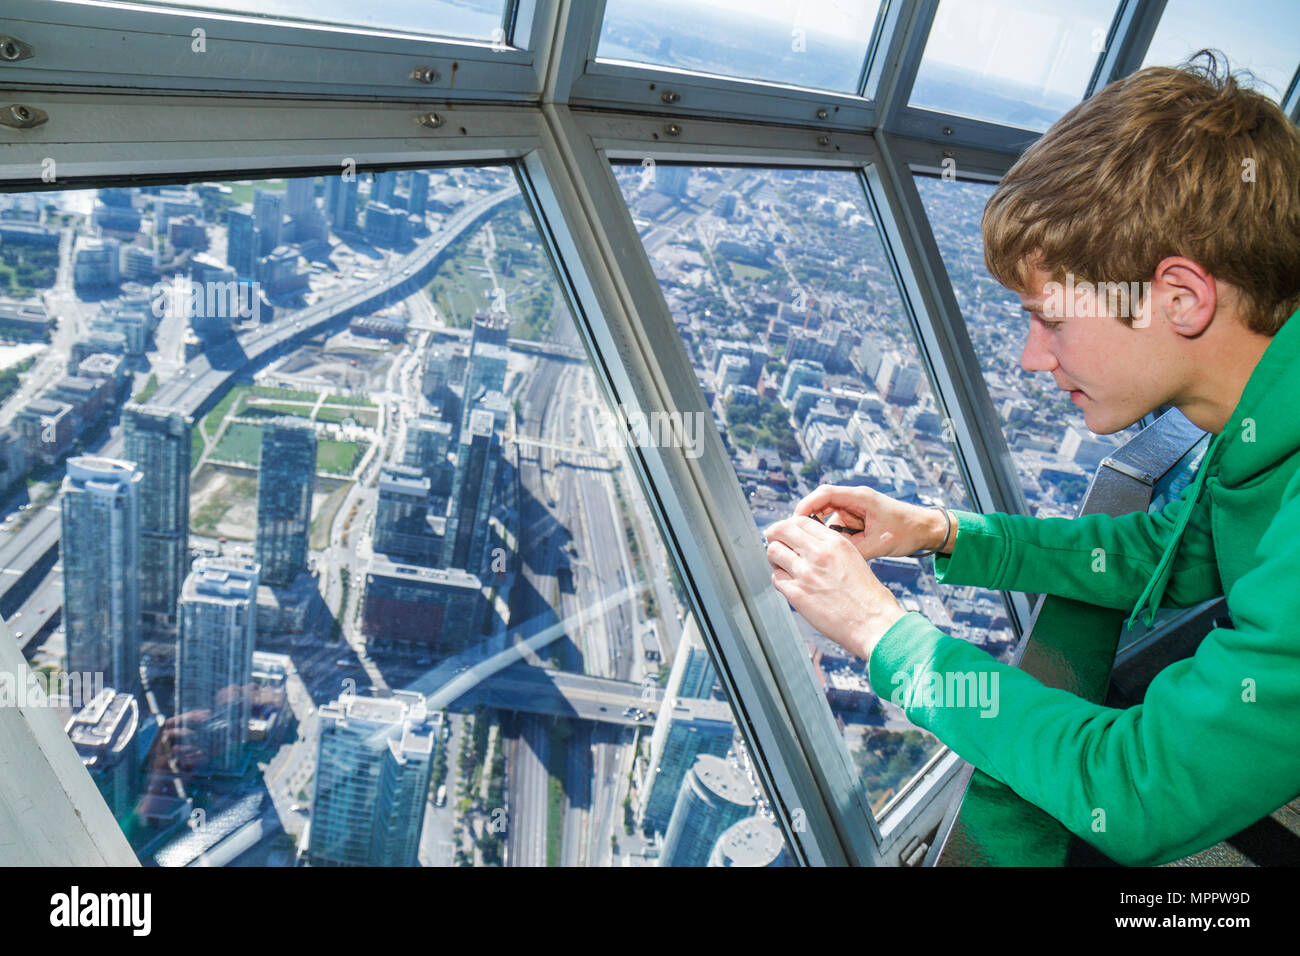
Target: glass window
779	286
819	45
975	65
1055	453
391	597
1253	38
467	19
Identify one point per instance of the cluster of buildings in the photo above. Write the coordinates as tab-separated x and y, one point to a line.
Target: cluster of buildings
127	571
47	427
434	539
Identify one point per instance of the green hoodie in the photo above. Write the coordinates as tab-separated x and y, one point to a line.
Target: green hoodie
1215	744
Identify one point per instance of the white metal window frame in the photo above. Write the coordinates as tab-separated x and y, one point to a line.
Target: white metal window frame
106	43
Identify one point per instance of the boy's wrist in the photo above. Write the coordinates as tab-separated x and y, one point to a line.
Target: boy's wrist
943	530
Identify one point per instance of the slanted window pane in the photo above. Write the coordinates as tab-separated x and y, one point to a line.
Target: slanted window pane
1054	451
819	45
780	289
1016	62
467	19
1259	37
397	561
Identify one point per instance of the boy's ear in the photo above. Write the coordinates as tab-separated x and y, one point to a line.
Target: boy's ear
1184	294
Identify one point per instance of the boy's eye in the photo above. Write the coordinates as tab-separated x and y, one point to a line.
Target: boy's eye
1046	323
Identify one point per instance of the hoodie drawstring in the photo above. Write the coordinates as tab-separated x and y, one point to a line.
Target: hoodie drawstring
1155	589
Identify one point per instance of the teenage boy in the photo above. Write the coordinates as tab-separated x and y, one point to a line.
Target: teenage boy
1185	186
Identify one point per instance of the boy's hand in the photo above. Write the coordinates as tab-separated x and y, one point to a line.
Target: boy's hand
823	576
890	528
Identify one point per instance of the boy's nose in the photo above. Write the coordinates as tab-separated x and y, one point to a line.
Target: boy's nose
1036	357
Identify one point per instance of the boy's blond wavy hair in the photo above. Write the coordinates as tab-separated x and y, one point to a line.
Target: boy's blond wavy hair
1165	162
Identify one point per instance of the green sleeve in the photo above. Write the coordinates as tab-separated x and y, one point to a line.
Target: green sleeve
1098	559
1211	749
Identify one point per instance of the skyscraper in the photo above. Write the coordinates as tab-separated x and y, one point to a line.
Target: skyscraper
286	479
300	197
157	439
268	215
685	729
714	795
104	733
692	675
384	188
418	200
372	780
402	527
754	841
492	328
471	493
341	202
672	180
100	550
486	373
241	244
214	656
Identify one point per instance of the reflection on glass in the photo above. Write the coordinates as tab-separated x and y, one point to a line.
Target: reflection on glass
1254	38
818	45
389	596
467	19
1055	453
1017	62
780	289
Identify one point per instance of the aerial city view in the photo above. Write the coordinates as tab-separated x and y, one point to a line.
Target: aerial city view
313	477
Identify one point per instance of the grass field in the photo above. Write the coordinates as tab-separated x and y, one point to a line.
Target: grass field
750	273
360	400
283	394
241	443
338	457
252	405
368	417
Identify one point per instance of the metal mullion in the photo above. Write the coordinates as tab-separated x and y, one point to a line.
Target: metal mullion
1291	100
641	87
982	454
878	38
889	84
573	46
1131	30
804	761
634	136
144	135
970	162
916	123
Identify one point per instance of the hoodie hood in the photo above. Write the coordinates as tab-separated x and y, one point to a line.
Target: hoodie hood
1260	433
1263	428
